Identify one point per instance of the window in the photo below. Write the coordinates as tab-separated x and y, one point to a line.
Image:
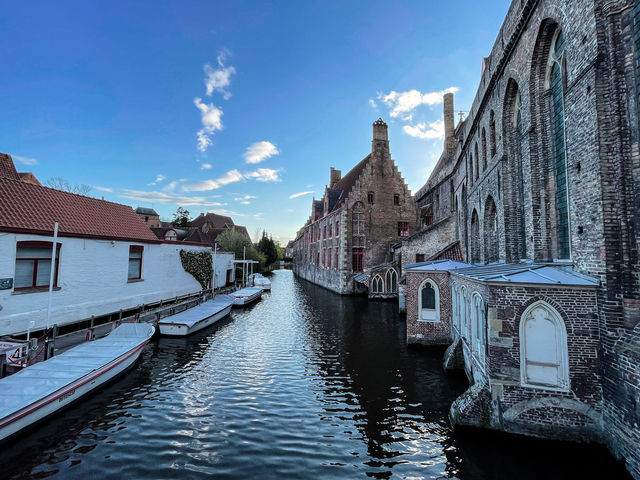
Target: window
336	259
403	229
331	230
428	216
477	162
357	263
370	197
478	321
337	228
544	359
484	148
419	257
428	302
377	285
391	281
324	232
475	240
135	262
171	235
396	199
492	133
470	169
33	265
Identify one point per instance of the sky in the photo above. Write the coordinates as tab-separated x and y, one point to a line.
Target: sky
235	107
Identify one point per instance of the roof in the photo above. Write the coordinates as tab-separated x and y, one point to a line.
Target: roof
453	251
25	207
161	231
28	177
146	211
436	265
347	182
7	168
528	273
215	220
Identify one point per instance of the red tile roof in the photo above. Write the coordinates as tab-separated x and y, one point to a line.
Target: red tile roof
29	208
347	182
7	168
453	251
216	221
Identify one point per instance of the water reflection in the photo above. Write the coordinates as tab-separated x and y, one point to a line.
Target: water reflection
304	384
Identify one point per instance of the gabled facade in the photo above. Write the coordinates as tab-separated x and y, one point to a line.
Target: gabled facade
352	228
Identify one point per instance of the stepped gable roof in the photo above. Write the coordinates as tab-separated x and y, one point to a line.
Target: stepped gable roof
29	208
347	182
334	197
146	211
28	177
216	221
7	168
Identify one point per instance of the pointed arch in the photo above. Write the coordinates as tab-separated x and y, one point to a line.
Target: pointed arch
377	284
475	237
492	133
484	148
391	281
491	231
477	171
428	301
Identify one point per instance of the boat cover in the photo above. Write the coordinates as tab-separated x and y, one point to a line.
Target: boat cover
246	292
193	315
42	379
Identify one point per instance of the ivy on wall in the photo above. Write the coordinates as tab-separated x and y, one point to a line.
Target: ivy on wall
198	264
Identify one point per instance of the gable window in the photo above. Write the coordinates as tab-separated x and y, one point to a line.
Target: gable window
357	263
171	235
370	197
428	302
33	265
403	229
135	262
544	359
396	199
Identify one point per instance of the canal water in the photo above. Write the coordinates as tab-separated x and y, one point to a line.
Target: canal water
304	384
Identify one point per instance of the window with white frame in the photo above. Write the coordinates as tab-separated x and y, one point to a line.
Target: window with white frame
377	285
391	281
544	358
428	302
478	321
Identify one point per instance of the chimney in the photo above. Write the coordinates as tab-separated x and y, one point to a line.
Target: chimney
447	103
335	176
380	141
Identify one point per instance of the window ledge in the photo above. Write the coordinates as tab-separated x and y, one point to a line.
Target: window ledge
545	387
134	280
429	321
23	291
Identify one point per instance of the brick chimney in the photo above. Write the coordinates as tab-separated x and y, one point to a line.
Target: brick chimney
335	176
449	127
380	136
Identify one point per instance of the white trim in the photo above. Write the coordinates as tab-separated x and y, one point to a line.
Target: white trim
563	383
429	315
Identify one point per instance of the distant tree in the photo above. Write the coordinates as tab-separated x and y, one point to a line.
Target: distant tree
280	249
180	218
60	183
268	249
236	242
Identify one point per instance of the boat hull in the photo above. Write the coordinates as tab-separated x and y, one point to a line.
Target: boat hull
247	299
172	329
58	400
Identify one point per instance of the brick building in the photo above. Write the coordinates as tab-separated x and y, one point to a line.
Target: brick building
352	229
540	184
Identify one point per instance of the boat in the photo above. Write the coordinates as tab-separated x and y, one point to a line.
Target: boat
196	318
245	296
258	280
45	388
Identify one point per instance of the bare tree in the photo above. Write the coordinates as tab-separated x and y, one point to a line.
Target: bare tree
60	183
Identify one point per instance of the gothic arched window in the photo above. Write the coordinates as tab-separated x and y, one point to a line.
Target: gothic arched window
491	239
391	280
428	302
377	284
492	133
484	149
475	237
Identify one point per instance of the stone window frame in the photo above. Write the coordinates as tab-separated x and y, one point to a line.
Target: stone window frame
478	327
562	349
436	289
377	284
391	278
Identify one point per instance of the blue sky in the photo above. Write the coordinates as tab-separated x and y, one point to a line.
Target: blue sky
237	107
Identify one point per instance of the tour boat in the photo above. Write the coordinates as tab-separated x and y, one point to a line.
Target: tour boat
44	388
246	296
196	318
258	280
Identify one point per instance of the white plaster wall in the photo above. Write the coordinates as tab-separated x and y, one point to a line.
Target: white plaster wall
93	280
222	263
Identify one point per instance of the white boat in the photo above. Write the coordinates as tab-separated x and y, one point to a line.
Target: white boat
246	296
258	280
196	318
44	388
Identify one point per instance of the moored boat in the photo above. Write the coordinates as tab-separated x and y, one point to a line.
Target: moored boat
44	388
196	318
245	296
258	280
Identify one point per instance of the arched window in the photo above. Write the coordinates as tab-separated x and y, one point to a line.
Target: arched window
428	302
491	241
391	281
475	237
484	149
456	322
556	82
377	284
477	161
492	133
544	359
470	169
479	327
464	313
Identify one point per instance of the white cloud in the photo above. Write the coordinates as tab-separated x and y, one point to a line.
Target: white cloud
211	117
435	130
171	186
218	79
205	166
25	160
264	175
372	103
230	213
300	194
161	197
402	103
245	199
231	176
103	189
260	151
160	177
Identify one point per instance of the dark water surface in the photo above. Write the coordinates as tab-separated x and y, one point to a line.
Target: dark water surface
305	384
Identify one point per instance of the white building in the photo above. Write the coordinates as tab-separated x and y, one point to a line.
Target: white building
106	259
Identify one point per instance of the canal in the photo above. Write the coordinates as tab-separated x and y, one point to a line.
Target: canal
304	384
